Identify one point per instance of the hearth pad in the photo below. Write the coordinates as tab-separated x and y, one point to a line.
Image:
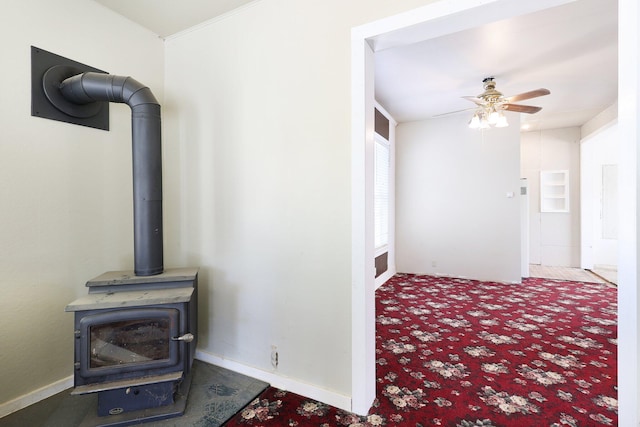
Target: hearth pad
216	394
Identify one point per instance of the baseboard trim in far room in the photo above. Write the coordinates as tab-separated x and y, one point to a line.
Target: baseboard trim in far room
332	398
35	396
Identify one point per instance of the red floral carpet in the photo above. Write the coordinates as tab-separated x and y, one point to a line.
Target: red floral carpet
464	353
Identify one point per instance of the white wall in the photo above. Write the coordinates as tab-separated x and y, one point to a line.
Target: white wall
65	190
260	184
600	121
554	237
453	213
597	150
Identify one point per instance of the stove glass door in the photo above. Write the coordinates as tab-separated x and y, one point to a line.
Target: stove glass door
129	341
126	340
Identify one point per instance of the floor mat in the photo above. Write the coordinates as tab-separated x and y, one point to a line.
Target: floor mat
216	395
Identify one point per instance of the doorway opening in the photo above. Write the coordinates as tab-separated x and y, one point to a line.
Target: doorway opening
431	21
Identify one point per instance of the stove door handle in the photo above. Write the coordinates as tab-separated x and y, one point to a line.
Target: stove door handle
186	338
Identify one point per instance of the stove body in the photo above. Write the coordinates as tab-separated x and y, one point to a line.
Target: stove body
135	340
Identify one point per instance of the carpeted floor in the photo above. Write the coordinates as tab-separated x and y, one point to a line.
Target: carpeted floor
216	395
463	353
450	352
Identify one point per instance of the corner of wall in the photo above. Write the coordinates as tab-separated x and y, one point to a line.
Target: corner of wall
600	121
330	397
35	396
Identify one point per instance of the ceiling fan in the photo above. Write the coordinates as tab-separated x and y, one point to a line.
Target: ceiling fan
494	98
491	103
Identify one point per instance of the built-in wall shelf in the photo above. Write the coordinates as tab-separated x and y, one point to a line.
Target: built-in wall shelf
554	191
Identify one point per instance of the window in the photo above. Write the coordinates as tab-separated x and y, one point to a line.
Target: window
381	192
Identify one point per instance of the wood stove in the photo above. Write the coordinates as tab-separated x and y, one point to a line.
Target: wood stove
135	331
135	339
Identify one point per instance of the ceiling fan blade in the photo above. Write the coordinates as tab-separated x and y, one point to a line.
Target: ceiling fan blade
453	112
528	95
521	108
475	99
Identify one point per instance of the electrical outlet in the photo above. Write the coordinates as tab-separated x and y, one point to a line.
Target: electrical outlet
434	264
274	357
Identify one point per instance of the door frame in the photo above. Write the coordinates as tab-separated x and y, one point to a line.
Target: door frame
438	19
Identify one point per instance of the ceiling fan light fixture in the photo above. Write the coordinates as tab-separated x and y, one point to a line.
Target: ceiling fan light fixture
474	123
502	121
484	122
491	105
494	116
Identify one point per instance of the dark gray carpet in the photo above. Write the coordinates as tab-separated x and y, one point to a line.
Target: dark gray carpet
216	395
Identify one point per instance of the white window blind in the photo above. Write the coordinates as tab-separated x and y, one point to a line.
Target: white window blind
381	192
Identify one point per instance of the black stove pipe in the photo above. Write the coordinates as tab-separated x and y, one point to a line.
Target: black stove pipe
147	157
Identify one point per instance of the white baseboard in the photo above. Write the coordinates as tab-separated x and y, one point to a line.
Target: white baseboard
278	381
35	396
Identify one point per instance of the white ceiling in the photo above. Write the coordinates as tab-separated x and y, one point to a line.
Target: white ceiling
166	17
570	50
